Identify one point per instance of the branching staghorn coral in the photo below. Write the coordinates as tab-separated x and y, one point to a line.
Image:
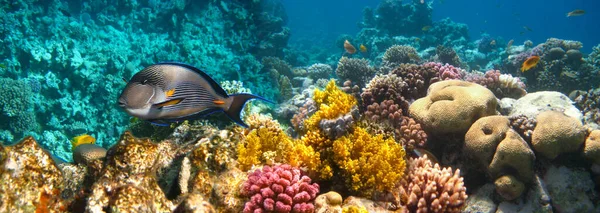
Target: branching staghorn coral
369	163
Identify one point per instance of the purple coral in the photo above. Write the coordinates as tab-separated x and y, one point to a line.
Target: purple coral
281	188
446	71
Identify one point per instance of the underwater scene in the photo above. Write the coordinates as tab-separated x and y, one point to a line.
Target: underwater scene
306	106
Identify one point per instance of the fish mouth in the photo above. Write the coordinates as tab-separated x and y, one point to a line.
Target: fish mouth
122	103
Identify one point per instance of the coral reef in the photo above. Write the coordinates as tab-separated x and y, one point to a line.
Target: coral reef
503	85
396	55
355	70
468	101
417	77
280	188
589	103
369	163
129	177
447	55
428	187
523	125
16	108
29	179
317	71
446	71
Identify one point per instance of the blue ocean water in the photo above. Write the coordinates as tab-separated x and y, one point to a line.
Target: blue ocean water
323	21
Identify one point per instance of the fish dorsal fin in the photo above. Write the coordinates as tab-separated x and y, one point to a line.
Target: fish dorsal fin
212	82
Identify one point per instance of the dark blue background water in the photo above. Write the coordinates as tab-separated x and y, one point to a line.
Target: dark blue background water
324	20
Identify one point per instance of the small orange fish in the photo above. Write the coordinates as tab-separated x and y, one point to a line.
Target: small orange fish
426	28
349	48
362	48
531	62
575	13
510	43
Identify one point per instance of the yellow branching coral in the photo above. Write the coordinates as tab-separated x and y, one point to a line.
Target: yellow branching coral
369	163
331	103
267	144
317	141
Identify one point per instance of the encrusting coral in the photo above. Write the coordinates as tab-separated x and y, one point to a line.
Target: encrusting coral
369	163
430	188
130	170
29	179
557	133
280	188
452	106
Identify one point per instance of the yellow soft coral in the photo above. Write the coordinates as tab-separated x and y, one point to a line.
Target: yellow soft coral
354	209
369	163
317	141
331	103
268	144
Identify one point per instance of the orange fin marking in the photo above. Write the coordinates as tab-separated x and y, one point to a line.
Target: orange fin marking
219	102
170	92
169	103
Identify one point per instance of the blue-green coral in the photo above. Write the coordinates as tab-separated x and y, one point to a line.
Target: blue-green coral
16	111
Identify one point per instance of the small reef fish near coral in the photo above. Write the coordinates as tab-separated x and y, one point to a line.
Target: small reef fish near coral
267	106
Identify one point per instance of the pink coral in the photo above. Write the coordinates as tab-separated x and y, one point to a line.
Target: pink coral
430	188
281	188
502	85
446	71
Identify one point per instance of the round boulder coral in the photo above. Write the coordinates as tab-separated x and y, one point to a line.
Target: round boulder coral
499	149
509	187
280	188
591	150
557	133
328	202
452	106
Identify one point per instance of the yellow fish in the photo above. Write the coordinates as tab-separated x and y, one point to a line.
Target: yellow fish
82	139
363	48
426	28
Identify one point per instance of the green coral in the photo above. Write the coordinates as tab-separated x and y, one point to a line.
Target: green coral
16	109
368	162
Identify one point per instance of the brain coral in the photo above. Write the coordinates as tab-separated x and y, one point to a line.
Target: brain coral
500	150
432	189
452	106
15	106
592	147
369	163
280	188
557	133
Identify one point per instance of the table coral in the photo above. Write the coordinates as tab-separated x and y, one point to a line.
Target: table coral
452	106
430	188
29	179
281	188
557	133
368	162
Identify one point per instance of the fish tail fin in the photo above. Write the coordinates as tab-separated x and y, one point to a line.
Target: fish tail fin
238	101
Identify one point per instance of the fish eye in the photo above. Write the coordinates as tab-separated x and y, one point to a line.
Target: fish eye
145	81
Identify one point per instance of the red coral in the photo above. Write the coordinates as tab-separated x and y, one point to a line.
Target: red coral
281	188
